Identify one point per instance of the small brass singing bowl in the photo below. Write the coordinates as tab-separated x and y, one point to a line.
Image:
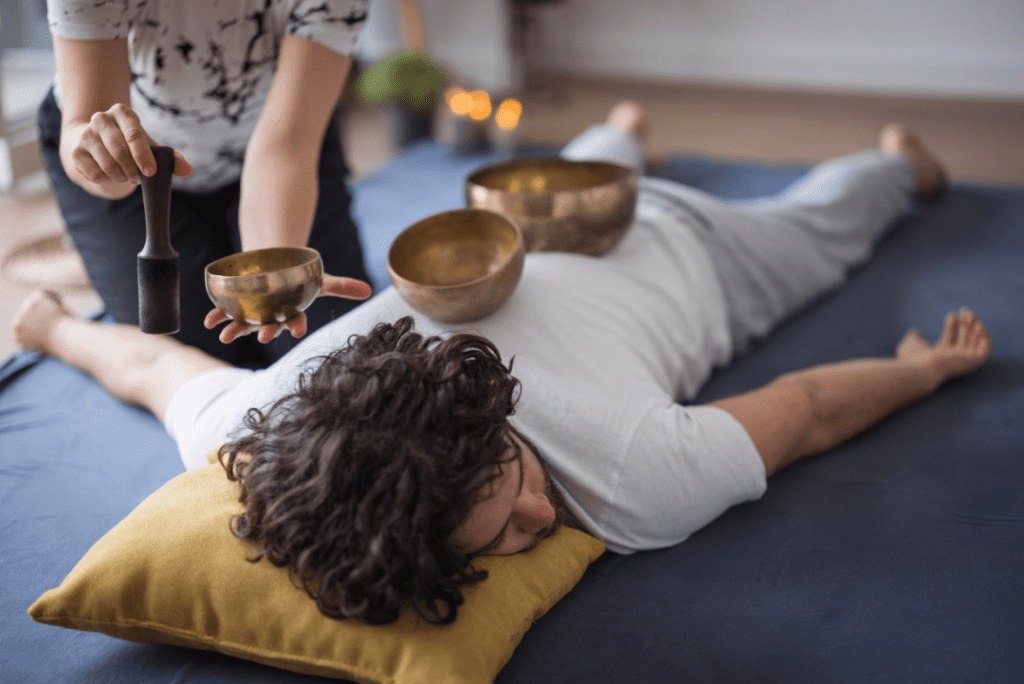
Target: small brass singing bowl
560	205
265	285
458	265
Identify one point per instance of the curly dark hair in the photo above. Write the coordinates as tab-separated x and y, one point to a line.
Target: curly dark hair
357	480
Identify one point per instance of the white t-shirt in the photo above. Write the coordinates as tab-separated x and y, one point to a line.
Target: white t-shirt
605	348
202	68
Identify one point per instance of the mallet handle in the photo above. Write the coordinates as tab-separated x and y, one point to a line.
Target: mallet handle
159	280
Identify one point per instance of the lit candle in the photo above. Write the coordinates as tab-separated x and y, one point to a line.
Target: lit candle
507	116
460	129
459	101
506	119
481	107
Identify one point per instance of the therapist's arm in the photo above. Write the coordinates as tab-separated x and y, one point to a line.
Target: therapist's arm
279	185
280	176
103	146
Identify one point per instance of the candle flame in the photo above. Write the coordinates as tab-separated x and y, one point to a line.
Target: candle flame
481	107
459	101
507	116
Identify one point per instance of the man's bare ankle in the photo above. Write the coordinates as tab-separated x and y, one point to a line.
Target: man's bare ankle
628	116
929	175
36	322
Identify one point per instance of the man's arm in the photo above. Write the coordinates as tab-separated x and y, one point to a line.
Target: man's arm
280	173
811	411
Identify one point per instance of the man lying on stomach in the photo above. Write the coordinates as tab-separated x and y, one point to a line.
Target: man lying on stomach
386	451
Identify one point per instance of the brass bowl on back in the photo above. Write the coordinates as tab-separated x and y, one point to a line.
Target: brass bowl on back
265	285
458	265
559	205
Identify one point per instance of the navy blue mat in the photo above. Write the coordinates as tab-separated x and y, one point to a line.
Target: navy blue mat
898	557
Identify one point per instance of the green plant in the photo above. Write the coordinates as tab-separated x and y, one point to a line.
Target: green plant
406	77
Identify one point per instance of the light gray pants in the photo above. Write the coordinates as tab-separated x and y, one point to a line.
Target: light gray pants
775	254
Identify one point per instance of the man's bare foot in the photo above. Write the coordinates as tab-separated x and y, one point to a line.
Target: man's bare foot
930	176
961	349
35	321
628	116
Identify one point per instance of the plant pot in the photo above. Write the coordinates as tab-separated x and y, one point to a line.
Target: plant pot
407	125
460	134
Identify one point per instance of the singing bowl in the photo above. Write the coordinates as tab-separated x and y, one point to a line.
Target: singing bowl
265	285
560	205
457	265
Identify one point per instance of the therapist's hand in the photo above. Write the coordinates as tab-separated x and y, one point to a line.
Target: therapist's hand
333	286
111	150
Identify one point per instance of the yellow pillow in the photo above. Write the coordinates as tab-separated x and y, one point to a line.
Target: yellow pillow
172	572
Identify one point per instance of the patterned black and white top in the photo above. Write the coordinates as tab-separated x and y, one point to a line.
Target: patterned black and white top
201	69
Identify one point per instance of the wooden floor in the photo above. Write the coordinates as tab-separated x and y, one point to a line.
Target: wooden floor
980	142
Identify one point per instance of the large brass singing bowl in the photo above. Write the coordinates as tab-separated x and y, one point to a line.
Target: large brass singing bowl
265	285
560	205
457	265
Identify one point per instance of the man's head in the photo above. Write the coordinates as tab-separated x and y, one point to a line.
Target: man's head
516	509
373	480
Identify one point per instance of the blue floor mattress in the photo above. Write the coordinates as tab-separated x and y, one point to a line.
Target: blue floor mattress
898	557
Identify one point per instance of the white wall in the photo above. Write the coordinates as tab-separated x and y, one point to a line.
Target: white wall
927	47
468	37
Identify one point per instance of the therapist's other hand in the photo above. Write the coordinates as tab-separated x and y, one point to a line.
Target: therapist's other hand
113	148
333	286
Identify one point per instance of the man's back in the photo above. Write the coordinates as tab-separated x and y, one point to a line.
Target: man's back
604	347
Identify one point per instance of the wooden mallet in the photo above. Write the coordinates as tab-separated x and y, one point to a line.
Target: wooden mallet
159	279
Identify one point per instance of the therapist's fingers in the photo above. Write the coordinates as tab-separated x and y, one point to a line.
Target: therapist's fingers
181	166
216	317
270	332
297	326
267	333
93	160
137	141
349	288
135	151
233	330
113	156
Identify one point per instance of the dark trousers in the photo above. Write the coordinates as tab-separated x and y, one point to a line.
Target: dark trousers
204	227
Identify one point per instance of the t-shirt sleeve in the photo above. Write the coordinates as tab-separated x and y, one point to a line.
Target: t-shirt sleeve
87	19
335	24
686	465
